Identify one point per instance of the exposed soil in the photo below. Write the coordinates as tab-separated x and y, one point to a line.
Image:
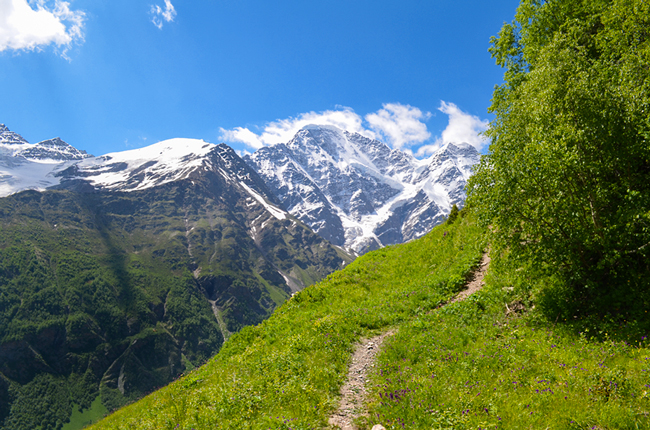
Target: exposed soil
476	283
353	392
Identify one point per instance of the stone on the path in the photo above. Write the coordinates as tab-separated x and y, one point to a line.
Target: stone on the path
379	427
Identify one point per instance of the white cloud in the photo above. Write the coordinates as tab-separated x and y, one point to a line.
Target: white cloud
462	128
283	130
243	135
401	125
161	15
25	28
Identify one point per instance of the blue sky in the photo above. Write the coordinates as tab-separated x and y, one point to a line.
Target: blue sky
113	75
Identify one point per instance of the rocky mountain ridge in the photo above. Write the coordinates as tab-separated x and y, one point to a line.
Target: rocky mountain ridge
25	165
355	192
359	193
48	151
54	164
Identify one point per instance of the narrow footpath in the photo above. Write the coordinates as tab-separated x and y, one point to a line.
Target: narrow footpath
354	391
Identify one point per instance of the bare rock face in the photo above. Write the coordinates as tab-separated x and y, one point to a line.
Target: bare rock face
51	150
359	193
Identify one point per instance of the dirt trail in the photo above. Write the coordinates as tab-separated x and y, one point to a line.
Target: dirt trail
353	392
476	283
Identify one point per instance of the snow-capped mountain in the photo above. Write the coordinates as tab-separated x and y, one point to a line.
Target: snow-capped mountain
165	162
54	164
8	137
208	169
353	191
25	165
139	169
212	172
48	151
359	193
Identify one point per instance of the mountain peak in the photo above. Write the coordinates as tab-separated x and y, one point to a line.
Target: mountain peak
56	142
359	193
456	147
168	150
461	145
462	154
55	150
141	168
52	150
8	137
322	127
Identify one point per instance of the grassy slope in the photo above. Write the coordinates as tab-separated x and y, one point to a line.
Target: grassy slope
80	419
286	372
468	365
474	365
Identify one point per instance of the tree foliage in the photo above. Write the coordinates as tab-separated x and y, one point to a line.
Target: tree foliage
566	181
453	214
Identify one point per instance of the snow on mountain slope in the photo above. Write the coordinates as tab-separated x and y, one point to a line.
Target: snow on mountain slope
359	193
168	161
353	191
9	138
53	151
21	174
55	164
50	151
142	168
25	165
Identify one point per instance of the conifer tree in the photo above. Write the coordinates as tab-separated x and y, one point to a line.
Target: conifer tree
453	214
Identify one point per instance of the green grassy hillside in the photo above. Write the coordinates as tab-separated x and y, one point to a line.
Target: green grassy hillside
286	372
506	359
500	359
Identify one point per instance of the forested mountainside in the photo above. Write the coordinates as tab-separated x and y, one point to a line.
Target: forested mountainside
114	294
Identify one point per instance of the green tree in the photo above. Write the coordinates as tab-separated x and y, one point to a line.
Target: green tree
566	181
453	214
